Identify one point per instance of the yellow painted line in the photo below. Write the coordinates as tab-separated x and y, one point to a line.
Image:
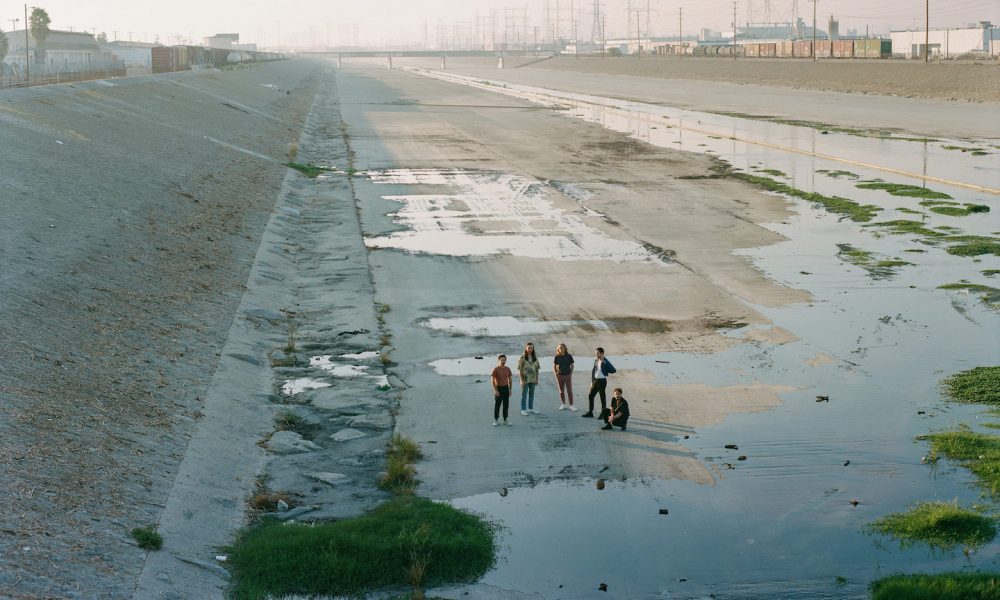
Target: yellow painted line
639	117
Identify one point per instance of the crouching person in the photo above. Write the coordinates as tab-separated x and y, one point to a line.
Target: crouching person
617	415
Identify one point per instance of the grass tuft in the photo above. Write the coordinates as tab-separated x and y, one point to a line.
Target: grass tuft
310	171
405	448
400	476
942	586
406	541
979	452
904	189
147	538
939	524
980	385
286	420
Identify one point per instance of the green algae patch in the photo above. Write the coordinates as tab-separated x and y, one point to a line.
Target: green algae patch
975	248
903	189
842	206
408	541
942	525
980	385
989	295
942	586
838	174
960	211
906	226
877	267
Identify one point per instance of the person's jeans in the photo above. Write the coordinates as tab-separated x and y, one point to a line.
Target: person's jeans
565	381
528	393
502	398
598	386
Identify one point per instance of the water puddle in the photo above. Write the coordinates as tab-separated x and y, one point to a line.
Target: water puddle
671	539
348	371
480	213
504	326
301	384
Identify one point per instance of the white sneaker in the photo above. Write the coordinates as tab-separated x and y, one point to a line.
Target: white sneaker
495	423
562	407
572	408
508	423
524	413
533	411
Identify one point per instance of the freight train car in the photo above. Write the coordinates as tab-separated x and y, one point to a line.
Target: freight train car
863	48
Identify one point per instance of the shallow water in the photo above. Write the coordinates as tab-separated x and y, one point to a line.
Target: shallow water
779	524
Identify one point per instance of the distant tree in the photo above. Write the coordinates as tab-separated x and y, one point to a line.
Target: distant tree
4	45
102	38
39	26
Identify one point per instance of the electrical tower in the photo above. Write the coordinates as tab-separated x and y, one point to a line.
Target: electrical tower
595	33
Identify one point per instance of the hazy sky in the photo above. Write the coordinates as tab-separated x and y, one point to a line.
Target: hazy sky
380	21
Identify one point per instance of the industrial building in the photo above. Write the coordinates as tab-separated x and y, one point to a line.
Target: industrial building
983	41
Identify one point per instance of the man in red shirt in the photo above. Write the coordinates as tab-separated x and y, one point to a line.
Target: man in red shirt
503	380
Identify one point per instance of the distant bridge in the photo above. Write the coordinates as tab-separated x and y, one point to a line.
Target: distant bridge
423	53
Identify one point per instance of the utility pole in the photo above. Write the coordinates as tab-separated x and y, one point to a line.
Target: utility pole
734	29
814	29
927	31
680	28
27	57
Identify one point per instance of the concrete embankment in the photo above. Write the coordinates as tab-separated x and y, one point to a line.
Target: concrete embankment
133	210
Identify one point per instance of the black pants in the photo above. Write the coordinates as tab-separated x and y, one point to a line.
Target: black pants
502	397
619	422
598	386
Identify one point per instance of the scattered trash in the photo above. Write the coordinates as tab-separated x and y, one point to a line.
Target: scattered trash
664	511
503	492
432	441
603	587
221	557
805	273
59	142
282	506
921	412
847	462
854	503
729	465
600	484
822	398
686	437
732	447
741	457
479	358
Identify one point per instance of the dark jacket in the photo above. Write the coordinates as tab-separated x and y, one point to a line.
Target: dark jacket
606	367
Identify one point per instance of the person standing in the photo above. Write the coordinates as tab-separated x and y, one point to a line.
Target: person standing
502	380
599	381
527	373
562	367
617	415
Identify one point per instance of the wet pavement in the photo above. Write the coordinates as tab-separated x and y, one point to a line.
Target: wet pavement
784	521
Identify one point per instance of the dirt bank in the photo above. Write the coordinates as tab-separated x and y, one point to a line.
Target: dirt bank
968	81
132	212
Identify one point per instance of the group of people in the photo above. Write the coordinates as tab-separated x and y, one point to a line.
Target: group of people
528	370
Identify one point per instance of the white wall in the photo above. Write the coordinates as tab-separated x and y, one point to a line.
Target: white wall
949	43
